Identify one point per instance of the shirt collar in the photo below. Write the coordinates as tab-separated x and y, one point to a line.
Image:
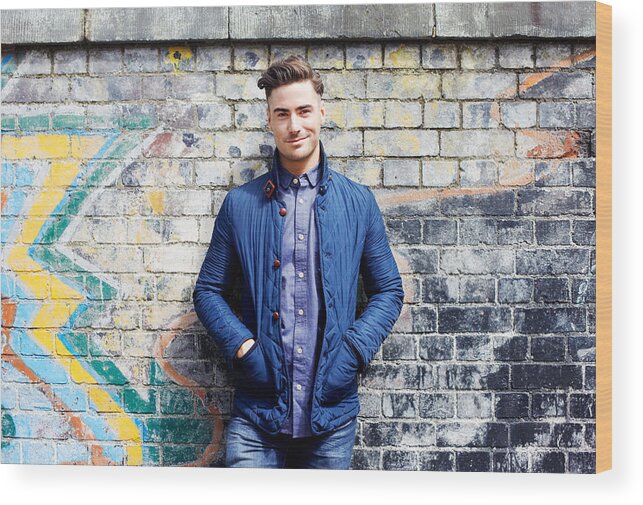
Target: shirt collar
285	177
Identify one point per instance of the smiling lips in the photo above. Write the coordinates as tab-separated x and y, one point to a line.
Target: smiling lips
296	140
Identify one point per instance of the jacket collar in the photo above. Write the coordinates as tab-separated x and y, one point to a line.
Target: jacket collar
285	177
323	177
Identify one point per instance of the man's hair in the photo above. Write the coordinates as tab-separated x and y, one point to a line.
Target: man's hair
285	71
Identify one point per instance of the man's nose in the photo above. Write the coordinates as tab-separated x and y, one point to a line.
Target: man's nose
293	125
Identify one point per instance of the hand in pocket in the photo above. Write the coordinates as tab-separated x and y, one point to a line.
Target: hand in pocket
256	377
342	375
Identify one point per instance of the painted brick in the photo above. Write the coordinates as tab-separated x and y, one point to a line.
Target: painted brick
468	85
363	56
404	86
439	114
326	56
253	57
437	55
401	143
478	56
402	55
515	55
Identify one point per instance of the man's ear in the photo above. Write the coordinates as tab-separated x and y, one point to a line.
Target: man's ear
322	110
268	114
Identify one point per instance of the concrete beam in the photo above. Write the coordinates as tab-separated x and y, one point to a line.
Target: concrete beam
157	23
516	19
42	26
374	21
423	21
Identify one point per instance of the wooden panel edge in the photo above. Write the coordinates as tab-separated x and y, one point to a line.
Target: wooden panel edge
603	237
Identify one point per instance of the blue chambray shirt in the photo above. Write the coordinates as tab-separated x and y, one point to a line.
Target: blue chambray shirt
300	293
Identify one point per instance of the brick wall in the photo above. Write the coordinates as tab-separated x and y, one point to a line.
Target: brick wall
481	154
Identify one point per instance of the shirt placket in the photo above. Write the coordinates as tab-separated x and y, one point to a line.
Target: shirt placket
300	299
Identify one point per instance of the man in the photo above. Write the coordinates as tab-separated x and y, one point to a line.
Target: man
298	237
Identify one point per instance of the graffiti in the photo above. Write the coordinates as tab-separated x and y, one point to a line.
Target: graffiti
64	307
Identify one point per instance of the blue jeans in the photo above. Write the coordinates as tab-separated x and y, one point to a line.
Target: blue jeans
249	447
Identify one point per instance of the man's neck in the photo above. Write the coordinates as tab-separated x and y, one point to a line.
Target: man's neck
300	167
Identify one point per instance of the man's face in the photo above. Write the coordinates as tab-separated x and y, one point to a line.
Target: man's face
295	115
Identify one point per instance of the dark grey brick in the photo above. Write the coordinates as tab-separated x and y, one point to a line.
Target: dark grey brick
584	173
493	204
399	460
548	462
551	289
478	319
404	231
584	290
474	231
399	347
399	405
477	290
434	461
422	260
548	405
582	406
548	348
468	377
549	320
440	289
530	434
584	232
471	434
382	433
582	348
555	172
440	231
553	232
436	347
514	232
552	261
514	348
511	405
398	376
423	319
365	459
511	461
437	405
553	202
528	376
473	347
472	461
582	462
567	435
514	290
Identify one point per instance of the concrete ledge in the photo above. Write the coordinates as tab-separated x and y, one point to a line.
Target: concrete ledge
430	21
42	26
374	21
516	19
157	23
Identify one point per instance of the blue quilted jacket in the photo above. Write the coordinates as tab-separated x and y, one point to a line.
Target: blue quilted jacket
246	248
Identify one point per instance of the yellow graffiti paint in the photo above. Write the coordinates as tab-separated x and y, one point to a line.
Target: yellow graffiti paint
176	54
35	147
157	201
53	314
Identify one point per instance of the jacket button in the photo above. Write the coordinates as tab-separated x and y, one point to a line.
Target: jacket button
282	211
275	315
276	263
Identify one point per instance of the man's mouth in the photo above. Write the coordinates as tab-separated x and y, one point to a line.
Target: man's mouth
296	140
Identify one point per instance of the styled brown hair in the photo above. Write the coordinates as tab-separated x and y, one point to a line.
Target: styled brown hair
291	69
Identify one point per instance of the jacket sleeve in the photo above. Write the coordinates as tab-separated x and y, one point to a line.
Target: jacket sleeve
383	287
212	289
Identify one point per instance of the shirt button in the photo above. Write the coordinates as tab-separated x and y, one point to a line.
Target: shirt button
299	350
301	200
295	180
301	275
282	211
298	387
300	236
275	315
276	263
300	312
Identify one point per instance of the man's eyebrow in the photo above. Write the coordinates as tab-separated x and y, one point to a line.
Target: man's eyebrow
279	109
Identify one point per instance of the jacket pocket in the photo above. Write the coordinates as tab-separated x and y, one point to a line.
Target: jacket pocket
341	378
256	378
